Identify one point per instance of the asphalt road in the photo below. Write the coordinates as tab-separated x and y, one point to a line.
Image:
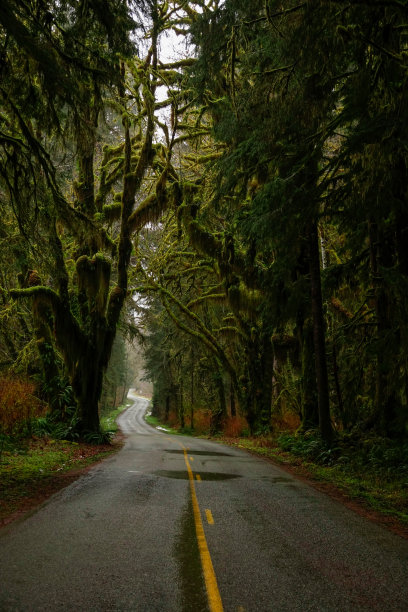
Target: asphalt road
124	538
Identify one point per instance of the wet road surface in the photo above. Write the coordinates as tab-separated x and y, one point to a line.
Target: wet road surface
124	538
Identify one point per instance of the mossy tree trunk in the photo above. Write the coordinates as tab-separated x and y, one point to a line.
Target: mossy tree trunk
310	414
219	410
233	409
85	320
319	336
381	257
258	383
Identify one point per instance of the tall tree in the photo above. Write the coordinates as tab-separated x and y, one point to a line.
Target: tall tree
88	222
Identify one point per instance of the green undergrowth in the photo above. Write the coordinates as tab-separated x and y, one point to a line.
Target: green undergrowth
108	420
155	422
373	470
32	465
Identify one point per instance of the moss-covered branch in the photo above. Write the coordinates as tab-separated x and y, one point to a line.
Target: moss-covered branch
68	333
202	333
219	298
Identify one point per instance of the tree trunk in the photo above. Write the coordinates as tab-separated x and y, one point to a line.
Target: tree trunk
319	336
309	402
192	392
181	404
386	398
233	409
167	408
220	410
265	390
42	320
259	383
336	377
88	388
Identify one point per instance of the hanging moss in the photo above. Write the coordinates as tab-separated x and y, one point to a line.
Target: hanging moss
103	272
175	195
67	331
85	274
285	346
230	331
151	208
112	212
203	241
116	299
171	77
189	189
93	278
243	299
46	292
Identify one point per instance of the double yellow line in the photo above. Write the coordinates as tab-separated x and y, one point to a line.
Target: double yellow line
213	593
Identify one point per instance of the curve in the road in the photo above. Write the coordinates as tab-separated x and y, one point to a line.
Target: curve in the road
131	421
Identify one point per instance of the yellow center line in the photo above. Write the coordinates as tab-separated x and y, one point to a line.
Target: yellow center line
213	594
209	516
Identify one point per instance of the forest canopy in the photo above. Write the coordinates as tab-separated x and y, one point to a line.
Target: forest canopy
238	203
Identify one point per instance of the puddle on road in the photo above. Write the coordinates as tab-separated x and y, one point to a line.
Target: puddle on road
193	592
194	452
183	475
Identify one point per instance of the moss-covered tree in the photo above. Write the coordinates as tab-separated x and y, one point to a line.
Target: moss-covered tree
53	132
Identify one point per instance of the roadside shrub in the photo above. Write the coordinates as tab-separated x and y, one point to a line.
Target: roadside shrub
202	421
173	419
18	406
373	454
233	427
311	447
58	430
100	437
382	454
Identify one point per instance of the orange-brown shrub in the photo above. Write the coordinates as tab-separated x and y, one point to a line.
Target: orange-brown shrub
173	420
18	405
234	426
285	421
202	421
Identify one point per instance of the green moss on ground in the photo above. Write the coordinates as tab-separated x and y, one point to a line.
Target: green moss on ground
33	468
154	422
108	420
36	467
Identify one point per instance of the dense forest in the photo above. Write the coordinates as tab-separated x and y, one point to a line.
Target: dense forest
227	182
